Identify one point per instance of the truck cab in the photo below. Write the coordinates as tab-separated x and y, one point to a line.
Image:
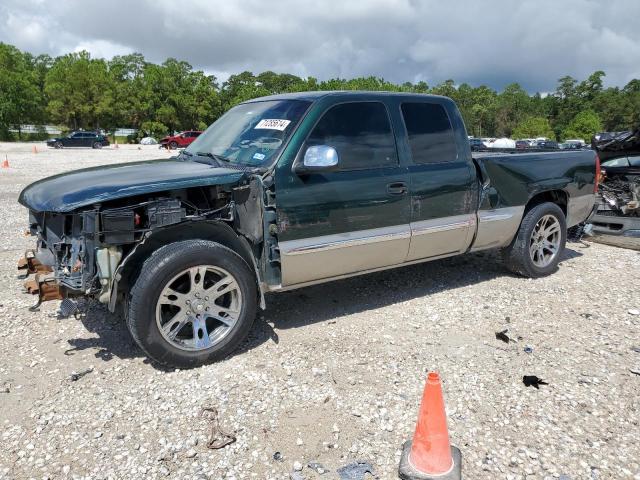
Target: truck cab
403	186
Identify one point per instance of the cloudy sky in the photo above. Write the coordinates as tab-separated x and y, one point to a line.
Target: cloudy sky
492	42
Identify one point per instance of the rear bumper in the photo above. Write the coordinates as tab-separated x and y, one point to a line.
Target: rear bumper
605	223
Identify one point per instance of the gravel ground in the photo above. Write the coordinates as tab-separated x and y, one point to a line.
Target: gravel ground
330	374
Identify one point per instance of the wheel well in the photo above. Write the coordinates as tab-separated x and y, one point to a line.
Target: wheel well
558	197
215	231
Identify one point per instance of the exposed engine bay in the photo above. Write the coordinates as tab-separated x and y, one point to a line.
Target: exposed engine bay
620	194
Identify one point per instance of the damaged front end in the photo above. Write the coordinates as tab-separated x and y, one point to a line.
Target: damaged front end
618	211
79	253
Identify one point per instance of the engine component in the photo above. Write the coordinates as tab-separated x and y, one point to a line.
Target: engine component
107	260
118	226
622	195
165	213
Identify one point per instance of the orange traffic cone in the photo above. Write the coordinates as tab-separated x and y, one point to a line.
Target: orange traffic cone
430	456
35	149
5	164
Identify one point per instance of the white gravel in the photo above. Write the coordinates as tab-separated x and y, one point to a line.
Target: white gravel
330	374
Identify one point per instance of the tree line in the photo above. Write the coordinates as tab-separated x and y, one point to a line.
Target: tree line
77	91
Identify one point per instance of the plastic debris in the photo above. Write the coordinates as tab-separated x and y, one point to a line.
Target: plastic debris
67	308
528	349
634	311
355	471
75	376
505	336
296	476
533	381
277	457
318	468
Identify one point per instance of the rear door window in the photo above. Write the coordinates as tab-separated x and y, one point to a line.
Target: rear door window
429	132
361	134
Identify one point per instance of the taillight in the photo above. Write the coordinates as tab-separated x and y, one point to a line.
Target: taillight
597	176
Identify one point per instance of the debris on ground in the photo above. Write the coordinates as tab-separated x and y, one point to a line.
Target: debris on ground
6	388
533	381
635	371
506	337
296	476
75	376
634	311
277	457
217	438
355	471
528	349
635	349
67	308
297	466
318	468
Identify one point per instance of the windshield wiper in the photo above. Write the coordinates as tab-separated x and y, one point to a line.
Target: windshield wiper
218	158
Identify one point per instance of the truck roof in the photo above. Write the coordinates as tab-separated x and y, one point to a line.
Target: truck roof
316	95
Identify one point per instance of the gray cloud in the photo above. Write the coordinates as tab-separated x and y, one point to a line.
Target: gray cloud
494	42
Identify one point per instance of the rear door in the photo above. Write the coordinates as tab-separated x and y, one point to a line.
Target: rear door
353	219
444	187
75	140
88	139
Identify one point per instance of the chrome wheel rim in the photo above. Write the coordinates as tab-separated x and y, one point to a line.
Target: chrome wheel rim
198	307
544	244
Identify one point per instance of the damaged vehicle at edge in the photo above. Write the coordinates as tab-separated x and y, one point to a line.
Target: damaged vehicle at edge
618	211
288	191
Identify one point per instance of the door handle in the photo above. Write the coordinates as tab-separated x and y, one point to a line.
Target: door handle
397	188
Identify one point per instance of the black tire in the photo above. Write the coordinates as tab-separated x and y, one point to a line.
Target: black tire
173	145
97	145
157	271
58	145
517	257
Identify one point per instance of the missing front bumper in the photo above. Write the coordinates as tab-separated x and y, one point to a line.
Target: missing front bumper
31	265
46	288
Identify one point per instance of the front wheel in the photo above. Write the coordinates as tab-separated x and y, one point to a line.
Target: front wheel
193	303
539	243
58	145
173	145
97	145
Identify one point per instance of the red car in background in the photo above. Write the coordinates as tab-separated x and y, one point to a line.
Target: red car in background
181	140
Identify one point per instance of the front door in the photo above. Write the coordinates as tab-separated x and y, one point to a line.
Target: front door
349	220
74	140
444	185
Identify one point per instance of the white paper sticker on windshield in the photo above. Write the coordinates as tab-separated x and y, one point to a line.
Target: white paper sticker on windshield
272	124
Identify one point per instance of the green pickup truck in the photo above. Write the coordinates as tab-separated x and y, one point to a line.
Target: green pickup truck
287	191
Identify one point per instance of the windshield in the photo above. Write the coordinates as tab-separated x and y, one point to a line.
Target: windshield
251	133
623	162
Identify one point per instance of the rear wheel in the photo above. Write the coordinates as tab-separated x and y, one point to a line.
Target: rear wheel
173	145
58	145
192	304
538	246
97	145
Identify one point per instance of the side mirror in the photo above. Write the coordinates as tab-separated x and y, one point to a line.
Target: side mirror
318	158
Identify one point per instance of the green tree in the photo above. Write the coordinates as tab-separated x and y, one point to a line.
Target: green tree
20	98
584	126
534	127
77	87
